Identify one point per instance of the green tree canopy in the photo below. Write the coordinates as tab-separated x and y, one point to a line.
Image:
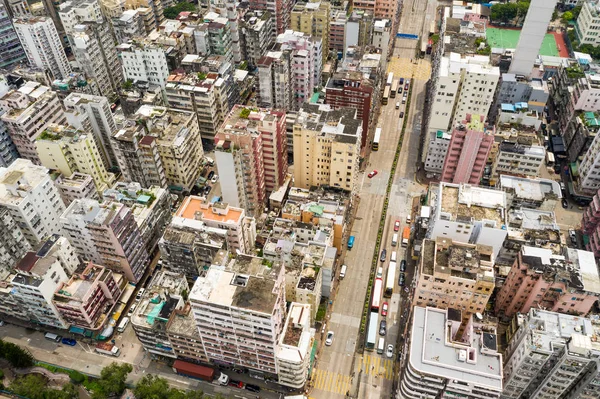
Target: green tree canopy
33	386
16	356
112	380
507	12
173	12
155	387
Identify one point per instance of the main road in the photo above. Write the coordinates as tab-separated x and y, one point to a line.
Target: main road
340	370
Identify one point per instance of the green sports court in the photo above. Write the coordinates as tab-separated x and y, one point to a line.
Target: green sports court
508	38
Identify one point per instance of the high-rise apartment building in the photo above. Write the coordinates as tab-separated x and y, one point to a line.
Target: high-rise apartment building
327	147
130	25
28	112
274	81
42	45
106	234
442	364
26	190
249	299
313	18
144	63
77	186
138	156
566	283
196	213
279	9
13	244
258	36
468	152
179	144
455	274
96	109
551	355
69	150
351	90
11	52
386	9
87	300
251	156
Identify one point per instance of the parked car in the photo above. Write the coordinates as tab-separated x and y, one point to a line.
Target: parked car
390	350
373	173
402	114
207	190
573	236
402	265
131	310
565	203
214	179
141	291
384	309
383	255
210	175
69	341
329	338
236	384
253	388
397	225
401	280
382	327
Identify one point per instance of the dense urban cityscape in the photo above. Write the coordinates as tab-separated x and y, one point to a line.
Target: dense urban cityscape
300	199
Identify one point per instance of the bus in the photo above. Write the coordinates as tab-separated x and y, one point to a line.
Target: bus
386	95
390	79
372	332
390	280
376	295
394	89
376	139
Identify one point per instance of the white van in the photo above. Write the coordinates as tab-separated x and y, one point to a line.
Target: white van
398	105
395	239
52	337
123	325
343	272
380	272
381	346
393	258
408	219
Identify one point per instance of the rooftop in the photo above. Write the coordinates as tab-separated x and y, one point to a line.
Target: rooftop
535	226
197	208
433	352
297	337
247	282
161	298
182	322
20	177
467	203
530	189
322	118
169	125
453	259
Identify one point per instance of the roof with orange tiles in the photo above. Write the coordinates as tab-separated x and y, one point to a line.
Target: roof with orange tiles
193	206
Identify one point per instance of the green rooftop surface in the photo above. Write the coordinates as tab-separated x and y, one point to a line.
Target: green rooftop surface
508	38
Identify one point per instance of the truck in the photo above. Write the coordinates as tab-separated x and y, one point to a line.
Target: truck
200	372
106	348
405	236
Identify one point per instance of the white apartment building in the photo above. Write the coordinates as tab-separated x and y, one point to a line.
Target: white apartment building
43	45
75	12
240	313
468	214
442	365
552	355
59	247
327	147
589	168
13	244
96	109
33	287
436	151
30	110
177	135
129	25
519	159
33	201
69	150
144	63
465	85
295	344
586	26
275	81
196	212
74	227
138	156
381	34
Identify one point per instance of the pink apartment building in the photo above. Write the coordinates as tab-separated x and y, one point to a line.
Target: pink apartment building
540	279
467	152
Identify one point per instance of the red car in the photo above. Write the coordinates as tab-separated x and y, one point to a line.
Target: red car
236	384
373	173
384	309
397	225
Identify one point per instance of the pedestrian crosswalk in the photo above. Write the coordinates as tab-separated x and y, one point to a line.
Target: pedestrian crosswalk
379	366
329	381
402	67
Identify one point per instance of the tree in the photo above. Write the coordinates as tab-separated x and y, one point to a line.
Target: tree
31	386
16	356
173	12
575	11
112	380
567	16
154	387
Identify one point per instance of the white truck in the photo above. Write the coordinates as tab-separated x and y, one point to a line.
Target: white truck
108	349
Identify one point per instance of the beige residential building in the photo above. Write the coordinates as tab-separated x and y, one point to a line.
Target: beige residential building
327	147
455	274
179	144
69	150
313	18
29	111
